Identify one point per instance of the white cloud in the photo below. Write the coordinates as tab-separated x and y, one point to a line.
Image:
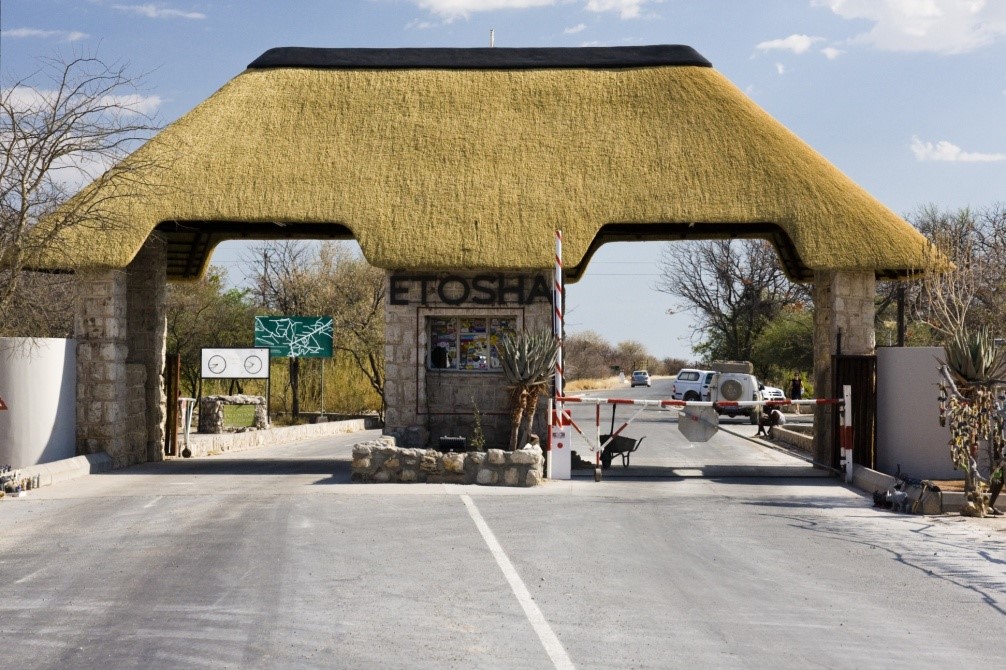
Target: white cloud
795	43
24	99
780	68
154	12
416	24
940	26
627	9
579	28
62	35
945	151
452	9
831	53
135	104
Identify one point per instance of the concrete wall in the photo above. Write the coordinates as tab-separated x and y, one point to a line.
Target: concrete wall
38	384
908	429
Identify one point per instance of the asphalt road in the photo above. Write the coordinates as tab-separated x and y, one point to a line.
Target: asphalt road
272	559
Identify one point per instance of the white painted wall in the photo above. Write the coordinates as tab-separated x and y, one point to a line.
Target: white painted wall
38	382
908	411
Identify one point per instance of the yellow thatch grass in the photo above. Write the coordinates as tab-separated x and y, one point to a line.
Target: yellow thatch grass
437	168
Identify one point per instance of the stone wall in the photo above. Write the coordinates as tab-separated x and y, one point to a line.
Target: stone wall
423	403
382	462
211	411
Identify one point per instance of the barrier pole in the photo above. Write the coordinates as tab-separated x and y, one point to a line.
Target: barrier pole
560	454
846	433
548	443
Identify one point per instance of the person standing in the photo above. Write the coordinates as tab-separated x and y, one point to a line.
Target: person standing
796	390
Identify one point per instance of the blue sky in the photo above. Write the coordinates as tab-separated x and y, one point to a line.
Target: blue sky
907	97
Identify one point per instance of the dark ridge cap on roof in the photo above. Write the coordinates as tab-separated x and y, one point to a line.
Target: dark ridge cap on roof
481	58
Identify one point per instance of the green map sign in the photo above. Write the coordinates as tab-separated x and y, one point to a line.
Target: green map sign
295	336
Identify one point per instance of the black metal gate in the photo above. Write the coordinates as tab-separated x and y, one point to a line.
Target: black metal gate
859	372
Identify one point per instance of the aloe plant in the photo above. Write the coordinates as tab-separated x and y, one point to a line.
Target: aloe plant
974	358
973	367
528	360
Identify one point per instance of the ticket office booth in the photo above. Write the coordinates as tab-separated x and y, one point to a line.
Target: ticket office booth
458	321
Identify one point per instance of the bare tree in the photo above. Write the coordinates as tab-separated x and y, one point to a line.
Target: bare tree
286	284
734	287
69	123
354	293
970	295
587	355
632	355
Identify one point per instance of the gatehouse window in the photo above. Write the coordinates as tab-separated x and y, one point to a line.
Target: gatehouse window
467	342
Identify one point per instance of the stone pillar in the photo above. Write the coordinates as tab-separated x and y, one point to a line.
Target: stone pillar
843	303
100	331
403	382
147	337
120	331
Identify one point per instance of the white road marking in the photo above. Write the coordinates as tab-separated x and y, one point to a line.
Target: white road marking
553	647
152	502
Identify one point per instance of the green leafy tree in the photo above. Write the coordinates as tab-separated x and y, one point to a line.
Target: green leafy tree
785	345
206	314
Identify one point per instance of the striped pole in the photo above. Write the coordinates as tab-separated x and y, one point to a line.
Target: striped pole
557	324
846	435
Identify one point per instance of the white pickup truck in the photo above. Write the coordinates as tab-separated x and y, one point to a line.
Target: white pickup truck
692	384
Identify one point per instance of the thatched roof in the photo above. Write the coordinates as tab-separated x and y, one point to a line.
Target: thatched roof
470	158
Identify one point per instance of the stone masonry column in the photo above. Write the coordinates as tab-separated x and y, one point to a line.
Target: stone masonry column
843	302
402	374
100	331
146	337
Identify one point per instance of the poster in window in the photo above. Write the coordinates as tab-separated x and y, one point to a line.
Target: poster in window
497	328
474	352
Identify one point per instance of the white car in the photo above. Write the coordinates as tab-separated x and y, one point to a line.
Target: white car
640	378
773	393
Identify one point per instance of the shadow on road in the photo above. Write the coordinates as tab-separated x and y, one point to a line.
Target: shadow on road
339	468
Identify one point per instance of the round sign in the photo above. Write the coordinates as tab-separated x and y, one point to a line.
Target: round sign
216	364
253	365
698	424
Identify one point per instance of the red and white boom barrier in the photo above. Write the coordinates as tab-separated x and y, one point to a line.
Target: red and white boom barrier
560	419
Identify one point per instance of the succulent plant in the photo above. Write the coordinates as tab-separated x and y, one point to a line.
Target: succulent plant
528	360
974	358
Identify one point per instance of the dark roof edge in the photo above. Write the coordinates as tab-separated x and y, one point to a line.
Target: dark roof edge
481	58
